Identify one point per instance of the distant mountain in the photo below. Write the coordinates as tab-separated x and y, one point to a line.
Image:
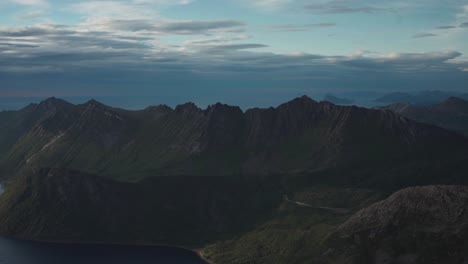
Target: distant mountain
421	98
300	136
415	225
451	114
337	100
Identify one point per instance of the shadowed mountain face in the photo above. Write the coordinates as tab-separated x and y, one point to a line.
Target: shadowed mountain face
300	136
64	205
452	114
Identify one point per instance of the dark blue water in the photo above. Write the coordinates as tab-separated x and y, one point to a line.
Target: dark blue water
23	252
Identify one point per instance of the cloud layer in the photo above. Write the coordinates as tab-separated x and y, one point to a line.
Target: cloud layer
113	55
122	47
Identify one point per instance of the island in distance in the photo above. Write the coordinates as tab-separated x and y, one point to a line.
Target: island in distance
304	182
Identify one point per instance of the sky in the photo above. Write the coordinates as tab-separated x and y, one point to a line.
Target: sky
244	52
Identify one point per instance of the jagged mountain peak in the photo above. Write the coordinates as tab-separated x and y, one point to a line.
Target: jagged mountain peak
188	108
53	100
303	99
158	111
219	107
54	103
95	104
159	108
299	102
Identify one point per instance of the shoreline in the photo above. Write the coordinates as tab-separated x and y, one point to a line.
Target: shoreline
195	250
200	255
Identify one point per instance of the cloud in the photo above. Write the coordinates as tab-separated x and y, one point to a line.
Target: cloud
111	9
217	39
199	27
137	9
132	57
306	27
427	57
222	48
151	26
31	2
166	2
64	47
32	15
445	27
424	35
341	7
270	4
464	24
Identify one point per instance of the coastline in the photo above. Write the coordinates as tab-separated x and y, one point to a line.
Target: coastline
195	250
202	257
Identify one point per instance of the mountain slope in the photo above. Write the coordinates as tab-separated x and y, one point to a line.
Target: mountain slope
260	186
64	205
451	114
415	225
300	136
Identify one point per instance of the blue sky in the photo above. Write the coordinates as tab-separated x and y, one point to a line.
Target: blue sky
244	52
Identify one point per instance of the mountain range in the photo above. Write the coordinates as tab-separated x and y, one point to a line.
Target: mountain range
337	100
451	114
300	136
274	185
419	98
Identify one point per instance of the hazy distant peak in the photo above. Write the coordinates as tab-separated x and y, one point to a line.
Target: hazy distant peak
455	100
337	100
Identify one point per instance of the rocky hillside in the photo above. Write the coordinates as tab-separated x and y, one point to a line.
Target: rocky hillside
300	136
415	225
452	114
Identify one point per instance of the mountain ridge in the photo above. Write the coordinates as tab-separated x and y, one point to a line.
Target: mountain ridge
450	114
298	136
214	177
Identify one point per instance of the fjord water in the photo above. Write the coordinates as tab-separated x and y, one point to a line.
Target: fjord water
25	252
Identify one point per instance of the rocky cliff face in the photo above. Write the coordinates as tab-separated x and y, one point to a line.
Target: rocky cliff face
415	225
